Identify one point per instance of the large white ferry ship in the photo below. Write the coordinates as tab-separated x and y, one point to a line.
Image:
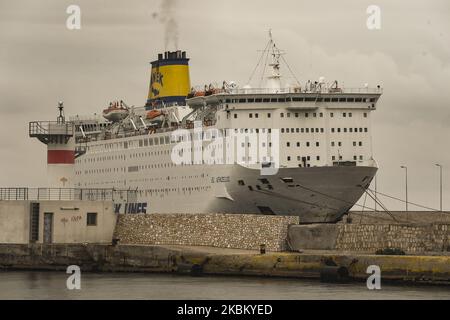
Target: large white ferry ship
312	155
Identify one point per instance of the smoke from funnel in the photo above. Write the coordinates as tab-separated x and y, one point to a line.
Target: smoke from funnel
169	21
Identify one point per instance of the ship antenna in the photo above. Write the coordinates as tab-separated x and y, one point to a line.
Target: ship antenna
60	118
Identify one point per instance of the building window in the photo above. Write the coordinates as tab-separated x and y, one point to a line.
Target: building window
344	114
354	143
91	218
235	116
296	114
282	115
331	114
288	144
250	115
350	114
256	115
360	143
360	157
288	114
306	115
332	143
332	129
321	115
289	158
333	158
339	144
318	158
307	144
365	114
365	129
282	130
298	144
268	115
317	144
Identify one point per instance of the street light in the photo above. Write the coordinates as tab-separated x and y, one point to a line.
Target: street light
406	185
440	184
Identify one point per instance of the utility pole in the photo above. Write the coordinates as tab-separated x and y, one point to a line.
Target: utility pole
406	188
440	185
375	192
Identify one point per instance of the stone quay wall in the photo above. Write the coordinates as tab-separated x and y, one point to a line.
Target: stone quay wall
411	238
239	231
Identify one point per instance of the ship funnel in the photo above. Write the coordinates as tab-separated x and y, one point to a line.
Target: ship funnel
169	81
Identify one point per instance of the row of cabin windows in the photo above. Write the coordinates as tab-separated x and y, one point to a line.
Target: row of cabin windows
338	130
354	158
297	114
308	144
301	99
339	144
299	158
302	130
321	130
308	158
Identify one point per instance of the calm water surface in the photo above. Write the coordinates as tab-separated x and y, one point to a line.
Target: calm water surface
52	285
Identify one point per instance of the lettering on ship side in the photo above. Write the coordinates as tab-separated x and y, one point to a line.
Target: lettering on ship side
220	179
138	207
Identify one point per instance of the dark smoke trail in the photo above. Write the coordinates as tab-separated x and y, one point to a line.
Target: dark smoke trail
167	16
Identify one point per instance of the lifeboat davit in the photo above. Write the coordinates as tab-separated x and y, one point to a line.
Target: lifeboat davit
115	113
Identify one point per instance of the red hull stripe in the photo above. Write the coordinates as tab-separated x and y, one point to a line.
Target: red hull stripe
60	157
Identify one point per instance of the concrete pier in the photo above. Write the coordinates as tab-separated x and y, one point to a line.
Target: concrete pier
218	261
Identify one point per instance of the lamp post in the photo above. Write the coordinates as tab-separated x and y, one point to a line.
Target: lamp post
440	185
406	187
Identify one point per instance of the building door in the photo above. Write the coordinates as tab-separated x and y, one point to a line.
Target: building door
34	222
48	227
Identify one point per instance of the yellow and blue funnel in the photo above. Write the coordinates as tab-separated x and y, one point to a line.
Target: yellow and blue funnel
169	81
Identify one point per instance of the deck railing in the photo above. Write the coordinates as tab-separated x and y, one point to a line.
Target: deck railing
69	194
298	90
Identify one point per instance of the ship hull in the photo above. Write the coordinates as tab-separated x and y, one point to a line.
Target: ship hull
315	194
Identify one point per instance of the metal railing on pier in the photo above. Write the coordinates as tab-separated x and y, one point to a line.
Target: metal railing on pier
69	194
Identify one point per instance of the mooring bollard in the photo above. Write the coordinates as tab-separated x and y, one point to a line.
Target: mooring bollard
262	248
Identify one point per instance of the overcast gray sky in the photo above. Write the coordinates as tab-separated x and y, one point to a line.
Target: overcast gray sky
41	62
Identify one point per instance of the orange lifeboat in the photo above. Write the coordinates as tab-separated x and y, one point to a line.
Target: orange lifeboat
199	94
152	114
